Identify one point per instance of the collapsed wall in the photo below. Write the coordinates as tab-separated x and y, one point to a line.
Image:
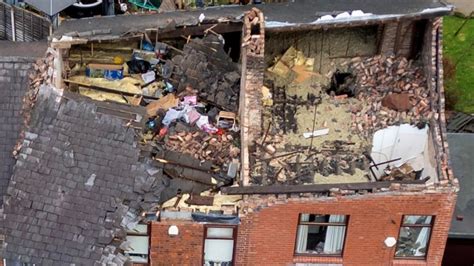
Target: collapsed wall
353	82
432	57
205	66
325	46
253	68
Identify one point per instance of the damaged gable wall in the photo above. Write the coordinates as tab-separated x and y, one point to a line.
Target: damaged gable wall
432	58
324	45
330	45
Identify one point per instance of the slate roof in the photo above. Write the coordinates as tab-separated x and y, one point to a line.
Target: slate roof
78	181
13	84
461	151
277	15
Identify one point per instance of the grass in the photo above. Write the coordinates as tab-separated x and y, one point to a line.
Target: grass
459	54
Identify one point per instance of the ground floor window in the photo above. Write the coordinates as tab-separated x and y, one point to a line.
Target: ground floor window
414	236
321	234
219	245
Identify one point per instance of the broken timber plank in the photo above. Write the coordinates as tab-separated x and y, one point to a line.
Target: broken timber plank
119	114
199	30
89	86
176	171
196	199
284	189
135	115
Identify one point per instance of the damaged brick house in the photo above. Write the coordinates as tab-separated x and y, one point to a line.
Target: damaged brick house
302	133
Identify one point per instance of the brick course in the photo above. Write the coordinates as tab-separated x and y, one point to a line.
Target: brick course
183	249
268	235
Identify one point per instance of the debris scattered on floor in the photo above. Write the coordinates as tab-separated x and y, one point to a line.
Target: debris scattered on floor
41	75
190	96
219	149
394	90
206	67
318	127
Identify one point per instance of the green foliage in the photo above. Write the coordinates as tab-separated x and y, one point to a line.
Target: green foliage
459	63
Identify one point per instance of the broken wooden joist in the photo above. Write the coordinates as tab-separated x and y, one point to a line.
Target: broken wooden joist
175	171
285	189
200	30
98	88
195	199
134	115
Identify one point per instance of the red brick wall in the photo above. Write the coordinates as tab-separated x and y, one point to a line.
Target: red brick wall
267	237
183	249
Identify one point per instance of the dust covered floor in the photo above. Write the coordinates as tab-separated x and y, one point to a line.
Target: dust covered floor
302	106
319	126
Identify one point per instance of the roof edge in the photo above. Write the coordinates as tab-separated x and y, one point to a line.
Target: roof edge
359	19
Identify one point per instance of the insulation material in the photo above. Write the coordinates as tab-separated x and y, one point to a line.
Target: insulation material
102	96
220	202
127	84
164	103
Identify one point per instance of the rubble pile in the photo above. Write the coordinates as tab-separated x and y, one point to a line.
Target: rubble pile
321	125
278	162
190	97
41	74
205	66
252	21
394	91
218	149
404	172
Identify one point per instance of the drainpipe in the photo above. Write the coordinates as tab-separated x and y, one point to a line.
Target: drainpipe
12	15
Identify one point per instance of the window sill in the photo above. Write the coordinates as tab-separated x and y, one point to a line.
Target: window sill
409	261
303	258
411	258
318	255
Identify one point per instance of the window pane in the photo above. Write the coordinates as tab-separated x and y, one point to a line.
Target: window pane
138	244
318	218
322	218
334	239
217	250
220	232
314	239
417	219
413	241
139	229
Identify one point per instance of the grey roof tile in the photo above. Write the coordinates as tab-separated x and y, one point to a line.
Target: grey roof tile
11	94
56	213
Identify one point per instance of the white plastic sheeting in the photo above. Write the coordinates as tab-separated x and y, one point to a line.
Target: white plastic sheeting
406	142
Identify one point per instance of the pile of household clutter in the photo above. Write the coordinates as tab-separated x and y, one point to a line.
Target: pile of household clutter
190	97
194	128
394	91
